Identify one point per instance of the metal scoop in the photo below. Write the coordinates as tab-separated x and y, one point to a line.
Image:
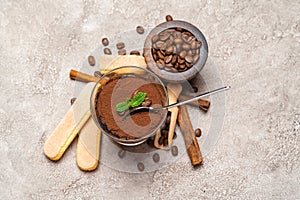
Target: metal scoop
151	109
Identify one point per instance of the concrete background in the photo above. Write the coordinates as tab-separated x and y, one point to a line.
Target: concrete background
254	44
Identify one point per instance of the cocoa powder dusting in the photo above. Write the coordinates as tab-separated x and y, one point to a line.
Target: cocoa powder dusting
137	125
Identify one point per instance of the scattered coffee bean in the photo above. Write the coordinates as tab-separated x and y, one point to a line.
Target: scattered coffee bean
120	45
147	103
121	153
165	127
141	166
122	52
198	132
164	133
105	41
195	89
160	140
73	100
134	52
174	135
107	51
165	142
156	157
91	60
169	18
140	29
168	120
97	74
174	150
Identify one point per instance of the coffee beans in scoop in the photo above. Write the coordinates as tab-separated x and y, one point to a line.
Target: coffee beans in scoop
175	50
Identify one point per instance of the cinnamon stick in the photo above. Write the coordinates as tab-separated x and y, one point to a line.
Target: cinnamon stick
79	76
203	104
189	136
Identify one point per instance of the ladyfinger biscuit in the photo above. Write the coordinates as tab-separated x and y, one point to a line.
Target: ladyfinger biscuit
88	147
70	125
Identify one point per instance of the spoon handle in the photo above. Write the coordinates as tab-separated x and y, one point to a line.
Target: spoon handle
197	97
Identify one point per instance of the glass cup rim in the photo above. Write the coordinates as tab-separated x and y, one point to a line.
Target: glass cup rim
94	115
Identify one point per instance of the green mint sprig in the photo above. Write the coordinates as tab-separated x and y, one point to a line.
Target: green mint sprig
131	103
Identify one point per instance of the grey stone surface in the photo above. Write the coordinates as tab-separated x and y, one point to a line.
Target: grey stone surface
254	44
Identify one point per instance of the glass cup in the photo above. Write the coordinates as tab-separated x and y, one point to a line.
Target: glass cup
112	88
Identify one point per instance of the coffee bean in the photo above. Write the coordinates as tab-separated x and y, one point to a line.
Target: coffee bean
196	57
105	41
189	59
121	153
164	133
156	157
155	57
198	44
179	29
160	140
164	36
147	103
140	29
182	66
186	46
164	127
97	74
120	45
134	52
159	44
160	55
174	135
160	64
189	65
169	18
178	41
169	49
174	70
182	54
122	52
174	59
195	89
155	38
177	34
193	45
107	51
73	100
168	59
174	150
181	60
141	166
198	132
165	142
91	60
187	33
171	31
176	66
178	48
168	68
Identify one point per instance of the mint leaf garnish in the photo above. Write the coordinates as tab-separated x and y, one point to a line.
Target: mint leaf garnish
131	103
138	99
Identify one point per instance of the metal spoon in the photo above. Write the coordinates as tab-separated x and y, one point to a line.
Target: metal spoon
151	109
